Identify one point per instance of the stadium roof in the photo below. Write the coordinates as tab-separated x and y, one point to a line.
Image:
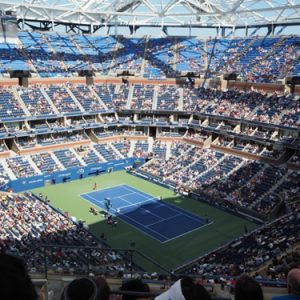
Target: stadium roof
188	13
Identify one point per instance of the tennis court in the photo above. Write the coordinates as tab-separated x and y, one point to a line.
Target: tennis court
156	218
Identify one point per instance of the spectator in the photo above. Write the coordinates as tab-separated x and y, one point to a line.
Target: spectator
247	288
86	288
185	289
134	285
15	282
293	286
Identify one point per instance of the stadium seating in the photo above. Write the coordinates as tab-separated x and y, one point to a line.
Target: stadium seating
251	251
107	152
142	97
86	98
56	54
141	148
21	167
41	54
237	149
130	55
159	149
35	101
11	58
62	99
190	55
120	96
4	178
43	225
168	98
45	163
105	92
10	107
26	142
67	158
88	155
160	57
123	147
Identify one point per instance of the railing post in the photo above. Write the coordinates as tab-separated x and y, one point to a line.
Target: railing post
45	262
131	263
88	262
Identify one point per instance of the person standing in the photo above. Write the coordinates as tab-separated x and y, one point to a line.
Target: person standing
293	286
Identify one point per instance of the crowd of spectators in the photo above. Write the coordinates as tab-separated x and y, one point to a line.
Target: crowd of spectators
21	166
120	96
159	149
26	142
88	154
9	104
45	163
4	178
228	180
168	98
261	59
141	148
257	59
295	159
35	101
105	92
248	253
38	225
86	98
200	136
274	108
75	136
62	99
123	146
142	97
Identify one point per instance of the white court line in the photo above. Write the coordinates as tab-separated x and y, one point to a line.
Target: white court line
96	200
122	195
172	207
139	229
145	226
137	192
113	186
178	210
167	219
144	232
134	204
181	211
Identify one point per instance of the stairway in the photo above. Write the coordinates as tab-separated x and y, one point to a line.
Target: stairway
155	96
77	156
61	166
8	170
180	100
97	97
33	165
129	99
132	148
49	101
21	102
75	99
117	151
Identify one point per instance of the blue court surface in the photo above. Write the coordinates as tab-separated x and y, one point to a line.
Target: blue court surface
156	218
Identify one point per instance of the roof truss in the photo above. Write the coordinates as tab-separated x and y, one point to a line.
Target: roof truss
216	13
